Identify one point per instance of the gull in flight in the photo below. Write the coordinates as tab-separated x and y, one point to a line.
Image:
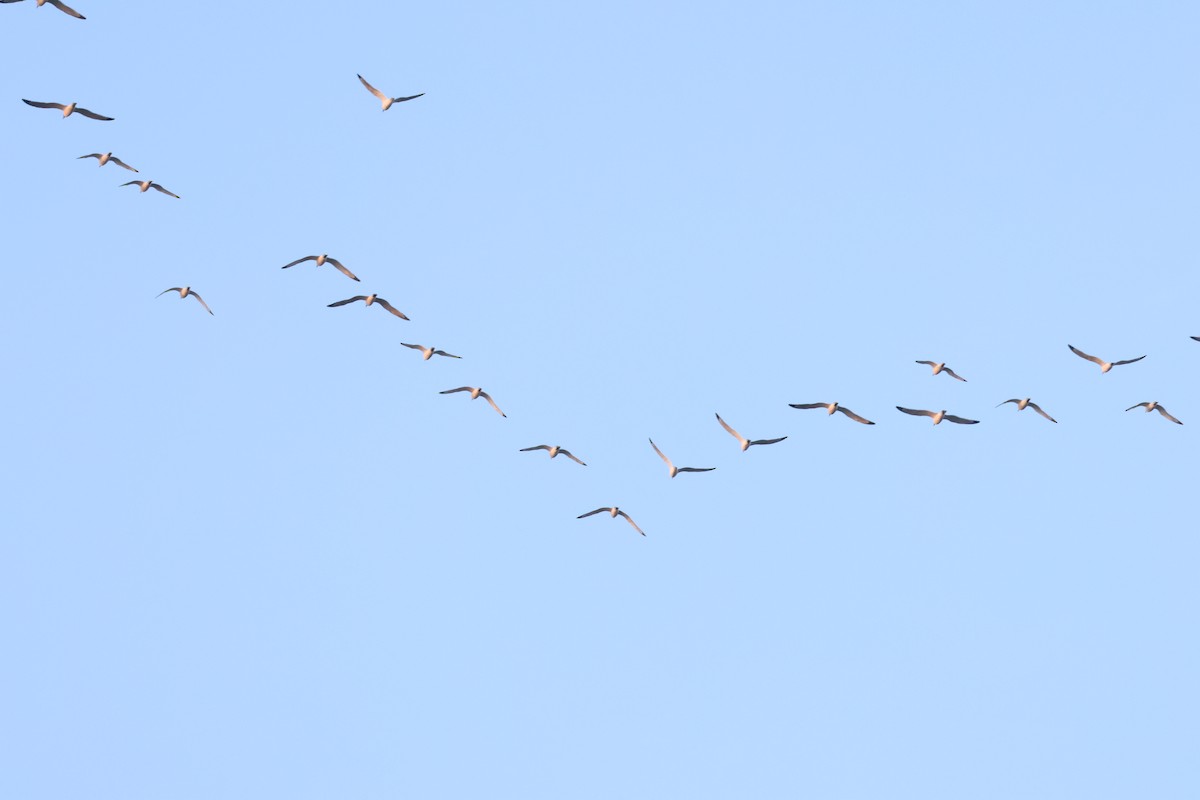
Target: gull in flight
387	101
553	451
429	352
1104	365
674	469
368	299
1023	404
938	416
321	259
615	512
943	368
144	185
746	442
477	393
57	4
184	291
832	407
1155	407
67	109
104	158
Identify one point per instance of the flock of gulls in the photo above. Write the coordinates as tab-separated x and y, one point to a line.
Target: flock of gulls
475	392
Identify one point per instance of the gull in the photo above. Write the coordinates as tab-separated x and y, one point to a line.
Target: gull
938	416
1104	365
674	469
321	259
144	185
57	4
555	450
943	368
477	393
104	158
1023	404
387	101
67	109
428	352
368	299
832	407
615	513
746	442
184	291
1155	407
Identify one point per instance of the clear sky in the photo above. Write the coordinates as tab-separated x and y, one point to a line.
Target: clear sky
256	554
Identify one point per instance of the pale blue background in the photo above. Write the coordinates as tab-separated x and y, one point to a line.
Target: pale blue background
257	555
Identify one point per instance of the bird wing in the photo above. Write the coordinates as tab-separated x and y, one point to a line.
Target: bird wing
372	89
808	405
1082	354
198	297
405	99
1127	361
164	191
960	420
92	114
121	163
36	104
539	447
629	519
597	511
854	416
131	183
1163	411
660	454
444	353
66	10
1038	409
1139	405
342	269
568	454
696	469
917	412
351	300
953	374
301	261
767	441
89	155
389	307
930	363
1014	400
172	289
492	403
732	432
406	344
459	389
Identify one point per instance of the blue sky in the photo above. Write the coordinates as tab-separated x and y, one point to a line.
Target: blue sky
258	555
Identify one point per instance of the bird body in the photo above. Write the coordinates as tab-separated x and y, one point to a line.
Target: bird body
1026	403
428	352
184	291
368	299
476	393
1154	406
383	98
938	416
746	443
614	512
68	109
831	408
553	451
674	469
941	367
104	158
321	259
145	185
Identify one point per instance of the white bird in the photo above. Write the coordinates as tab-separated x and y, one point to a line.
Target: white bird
746	442
943	368
428	352
67	109
553	451
184	291
615	512
674	469
938	416
1023	404
57	4
475	394
144	185
384	99
368	299
1155	407
321	259
104	158
832	407
1105	366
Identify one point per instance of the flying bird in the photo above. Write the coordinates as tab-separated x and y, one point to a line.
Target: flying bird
144	185
57	4
1104	365
475	394
1023	404
943	368
384	99
746	443
938	416
615	512
321	259
368	299
104	158
553	451
674	469
184	291
428	352
1155	407
67	109
832	407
